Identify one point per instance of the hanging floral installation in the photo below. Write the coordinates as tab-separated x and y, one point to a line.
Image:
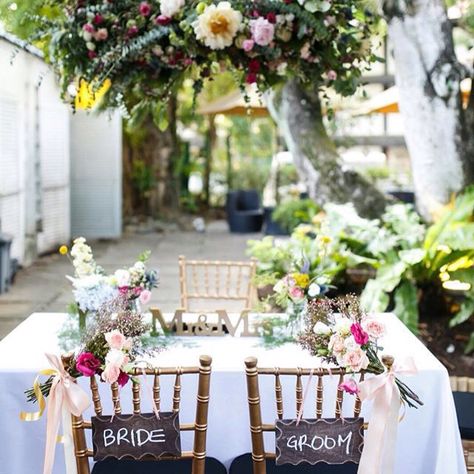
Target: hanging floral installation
111	49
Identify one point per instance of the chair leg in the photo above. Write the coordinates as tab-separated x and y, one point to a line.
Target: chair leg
258	449
80	446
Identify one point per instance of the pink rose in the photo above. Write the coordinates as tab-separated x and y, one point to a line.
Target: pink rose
355	360
145	297
87	364
349	386
115	339
296	293
262	31
144	9
88	28
111	373
373	327
248	45
101	34
332	75
360	336
336	344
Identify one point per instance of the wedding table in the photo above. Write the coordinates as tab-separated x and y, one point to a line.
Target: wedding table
428	438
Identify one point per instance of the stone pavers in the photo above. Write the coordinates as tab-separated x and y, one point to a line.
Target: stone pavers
43	286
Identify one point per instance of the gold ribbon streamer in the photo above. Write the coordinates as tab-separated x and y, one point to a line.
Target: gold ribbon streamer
36	415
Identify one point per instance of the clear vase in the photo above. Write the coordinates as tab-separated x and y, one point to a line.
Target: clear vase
296	315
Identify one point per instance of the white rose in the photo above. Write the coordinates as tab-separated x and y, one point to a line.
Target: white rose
350	344
139	266
321	329
122	277
314	290
115	357
343	325
169	8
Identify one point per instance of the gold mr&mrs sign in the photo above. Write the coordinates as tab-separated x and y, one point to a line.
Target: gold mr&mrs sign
214	323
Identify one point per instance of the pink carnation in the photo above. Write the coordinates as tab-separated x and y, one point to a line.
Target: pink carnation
262	31
360	336
349	386
87	364
373	327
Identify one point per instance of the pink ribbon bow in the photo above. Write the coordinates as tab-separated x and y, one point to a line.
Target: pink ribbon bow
64	392
378	456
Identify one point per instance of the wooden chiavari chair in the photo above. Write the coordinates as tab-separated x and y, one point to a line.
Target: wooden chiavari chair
257	427
197	455
206	285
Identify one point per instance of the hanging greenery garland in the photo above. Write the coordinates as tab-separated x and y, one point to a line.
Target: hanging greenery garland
118	48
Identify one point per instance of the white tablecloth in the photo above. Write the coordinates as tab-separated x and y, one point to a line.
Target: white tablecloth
428	438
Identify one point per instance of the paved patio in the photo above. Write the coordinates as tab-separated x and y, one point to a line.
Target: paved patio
43	286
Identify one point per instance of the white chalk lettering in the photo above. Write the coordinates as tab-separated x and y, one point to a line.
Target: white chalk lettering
316	443
137	437
157	436
109	437
121	436
347	440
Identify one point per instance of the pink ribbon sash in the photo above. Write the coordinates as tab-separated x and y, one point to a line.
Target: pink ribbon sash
64	392
378	456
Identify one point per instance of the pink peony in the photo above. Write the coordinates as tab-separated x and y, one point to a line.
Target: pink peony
355	360
373	327
144	9
360	336
87	364
248	44
349	386
262	31
111	373
101	34
145	297
115	339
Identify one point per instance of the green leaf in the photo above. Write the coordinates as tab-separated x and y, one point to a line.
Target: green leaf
374	299
460	236
466	311
389	276
466	275
470	345
406	305
160	116
412	256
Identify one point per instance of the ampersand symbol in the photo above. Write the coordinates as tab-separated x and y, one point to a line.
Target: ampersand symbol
202	328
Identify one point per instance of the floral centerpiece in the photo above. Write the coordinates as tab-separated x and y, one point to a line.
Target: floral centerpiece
110	349
342	334
93	287
130	48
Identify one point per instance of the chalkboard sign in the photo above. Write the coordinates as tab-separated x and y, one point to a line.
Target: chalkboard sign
136	436
329	440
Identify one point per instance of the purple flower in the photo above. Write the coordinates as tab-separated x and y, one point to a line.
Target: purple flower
87	364
360	336
349	386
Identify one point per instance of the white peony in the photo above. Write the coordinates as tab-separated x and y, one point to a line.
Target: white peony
321	329
169	8
217	26
343	325
314	290
122	277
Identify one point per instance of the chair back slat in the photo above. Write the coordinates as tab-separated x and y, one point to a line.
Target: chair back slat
116	398
209	284
136	397
278	395
199	427
96	396
257	427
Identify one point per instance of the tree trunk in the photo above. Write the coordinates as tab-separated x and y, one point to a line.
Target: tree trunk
438	132
298	115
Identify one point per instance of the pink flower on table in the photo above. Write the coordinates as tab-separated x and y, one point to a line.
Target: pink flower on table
145	297
360	336
355	360
262	31
115	339
248	45
101	34
87	364
373	327
296	293
111	373
144	9
349	386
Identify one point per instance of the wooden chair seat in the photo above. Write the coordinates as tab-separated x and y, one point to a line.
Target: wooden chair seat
181	466
244	465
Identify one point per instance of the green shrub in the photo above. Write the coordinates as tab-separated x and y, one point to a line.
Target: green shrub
292	213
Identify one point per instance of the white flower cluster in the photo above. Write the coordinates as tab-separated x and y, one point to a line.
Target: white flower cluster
91	292
134	276
83	260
